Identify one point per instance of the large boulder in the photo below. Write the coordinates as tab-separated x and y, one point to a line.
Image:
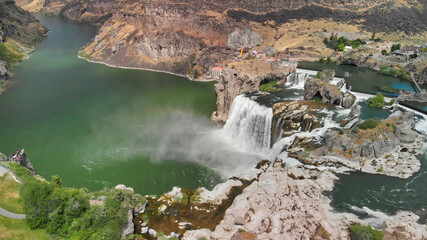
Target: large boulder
128	229
348	100
244	39
315	87
326	75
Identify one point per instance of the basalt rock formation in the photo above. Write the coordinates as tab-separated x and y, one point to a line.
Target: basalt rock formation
177	35
388	148
20	157
19	25
327	92
3	71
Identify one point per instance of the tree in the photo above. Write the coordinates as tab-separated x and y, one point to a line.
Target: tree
384	52
56	180
341	47
395	47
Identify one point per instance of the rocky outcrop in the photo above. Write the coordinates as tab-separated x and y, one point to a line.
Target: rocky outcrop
128	229
244	39
422	78
327	92
290	117
17	24
353	118
405	95
348	100
3	71
390	148
21	158
285	201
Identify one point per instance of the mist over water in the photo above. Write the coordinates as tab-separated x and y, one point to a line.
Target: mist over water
178	135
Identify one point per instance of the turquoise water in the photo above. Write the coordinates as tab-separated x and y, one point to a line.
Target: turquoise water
361	79
98	126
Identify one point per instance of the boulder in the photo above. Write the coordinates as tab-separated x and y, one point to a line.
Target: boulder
317	88
326	75
348	100
244	39
353	117
128	229
405	95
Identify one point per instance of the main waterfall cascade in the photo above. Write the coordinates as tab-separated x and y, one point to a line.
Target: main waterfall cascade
249	125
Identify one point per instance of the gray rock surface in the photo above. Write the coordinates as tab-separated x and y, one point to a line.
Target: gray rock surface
348	100
128	229
405	95
20	157
244	39
329	93
3	70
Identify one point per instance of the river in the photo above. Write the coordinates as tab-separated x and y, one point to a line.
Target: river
97	126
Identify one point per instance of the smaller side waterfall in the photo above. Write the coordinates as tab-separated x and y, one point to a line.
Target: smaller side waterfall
249	125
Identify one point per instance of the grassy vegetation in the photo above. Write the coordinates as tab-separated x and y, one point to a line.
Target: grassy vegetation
10	54
268	87
396	72
360	232
389	89
17	229
9	194
369	123
377	101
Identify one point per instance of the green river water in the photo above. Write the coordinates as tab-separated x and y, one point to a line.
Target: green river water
98	126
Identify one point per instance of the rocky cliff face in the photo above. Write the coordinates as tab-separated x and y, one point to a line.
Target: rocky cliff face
19	25
176	35
19	32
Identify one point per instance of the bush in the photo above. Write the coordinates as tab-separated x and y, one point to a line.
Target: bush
423	49
360	232
389	89
396	72
369	124
395	47
384	52
268	87
66	214
377	40
377	101
321	59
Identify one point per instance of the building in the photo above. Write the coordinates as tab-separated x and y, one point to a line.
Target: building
216	72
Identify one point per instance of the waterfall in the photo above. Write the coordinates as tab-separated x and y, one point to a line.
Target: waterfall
249	125
297	79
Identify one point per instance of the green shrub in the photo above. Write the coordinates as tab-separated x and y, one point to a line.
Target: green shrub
369	123
423	49
384	52
377	40
389	89
268	87
396	72
377	101
360	232
321	59
395	47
